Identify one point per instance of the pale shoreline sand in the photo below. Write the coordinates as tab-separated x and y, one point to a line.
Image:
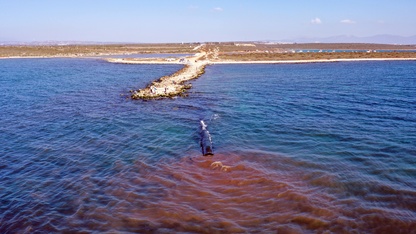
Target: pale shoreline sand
119	60
313	61
155	61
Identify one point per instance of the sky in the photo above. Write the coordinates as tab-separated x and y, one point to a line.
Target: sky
158	21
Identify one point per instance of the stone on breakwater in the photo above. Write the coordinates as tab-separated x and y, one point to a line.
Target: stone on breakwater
172	85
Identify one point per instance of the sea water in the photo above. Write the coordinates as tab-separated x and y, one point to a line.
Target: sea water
310	147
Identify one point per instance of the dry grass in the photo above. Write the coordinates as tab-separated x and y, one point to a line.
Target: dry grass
92	50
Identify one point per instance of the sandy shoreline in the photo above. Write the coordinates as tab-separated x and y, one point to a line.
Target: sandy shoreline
37	57
143	61
314	61
158	60
123	61
263	61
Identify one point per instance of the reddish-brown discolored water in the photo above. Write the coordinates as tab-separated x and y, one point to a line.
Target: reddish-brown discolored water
192	195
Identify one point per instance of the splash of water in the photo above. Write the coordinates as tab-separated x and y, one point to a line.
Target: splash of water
205	142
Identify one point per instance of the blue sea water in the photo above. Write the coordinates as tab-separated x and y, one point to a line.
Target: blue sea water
311	148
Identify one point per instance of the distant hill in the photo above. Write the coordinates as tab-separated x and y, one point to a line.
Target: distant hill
378	39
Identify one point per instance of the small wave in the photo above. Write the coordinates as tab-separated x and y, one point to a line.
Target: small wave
215	117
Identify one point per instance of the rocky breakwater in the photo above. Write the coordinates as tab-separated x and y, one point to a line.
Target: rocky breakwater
172	85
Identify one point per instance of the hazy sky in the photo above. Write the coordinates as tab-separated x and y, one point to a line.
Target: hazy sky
204	20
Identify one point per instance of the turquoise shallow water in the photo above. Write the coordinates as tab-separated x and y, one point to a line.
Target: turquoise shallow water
311	147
